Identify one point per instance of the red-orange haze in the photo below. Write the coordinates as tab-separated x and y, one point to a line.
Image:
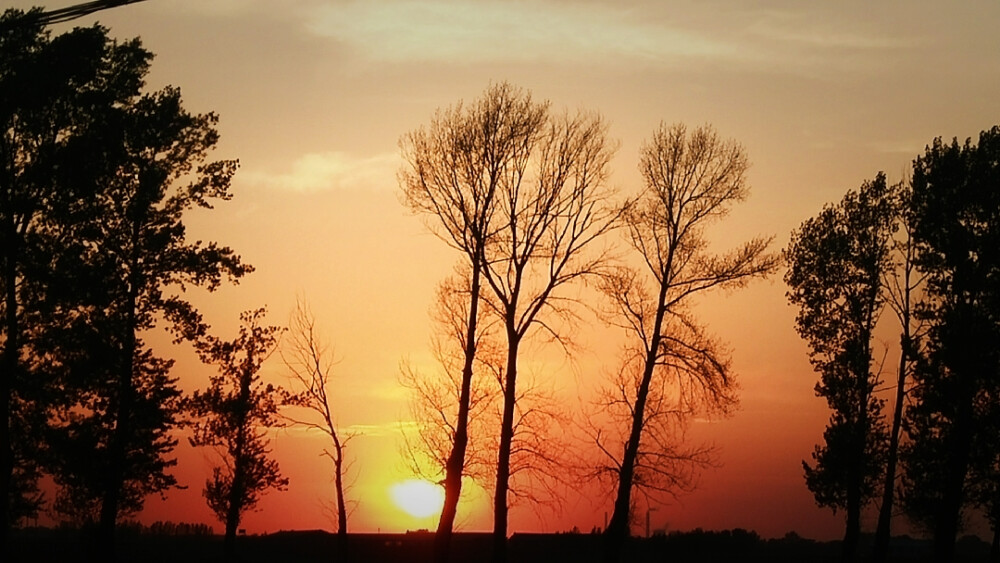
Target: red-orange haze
313	97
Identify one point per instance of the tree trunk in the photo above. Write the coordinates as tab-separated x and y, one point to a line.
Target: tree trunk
232	524
455	466
849	548
503	458
995	548
618	527
339	483
884	529
123	429
238	487
342	554
11	353
947	522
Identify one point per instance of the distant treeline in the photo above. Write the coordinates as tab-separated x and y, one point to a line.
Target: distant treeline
696	546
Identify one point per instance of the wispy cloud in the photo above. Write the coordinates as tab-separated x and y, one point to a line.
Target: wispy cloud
813	29
599	33
501	31
330	170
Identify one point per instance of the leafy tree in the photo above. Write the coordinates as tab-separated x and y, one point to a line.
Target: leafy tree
985	474
233	415
836	264
130	266
672	366
58	98
956	210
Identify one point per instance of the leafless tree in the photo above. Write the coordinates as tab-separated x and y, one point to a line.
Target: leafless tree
551	208
309	361
453	173
435	394
903	285
665	465
672	366
537	451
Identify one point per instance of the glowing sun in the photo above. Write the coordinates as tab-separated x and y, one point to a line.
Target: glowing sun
417	497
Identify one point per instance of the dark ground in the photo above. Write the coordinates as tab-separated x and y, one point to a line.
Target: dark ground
44	545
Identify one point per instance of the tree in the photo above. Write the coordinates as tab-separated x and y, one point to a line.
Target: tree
537	453
553	203
435	395
233	415
836	264
672	365
985	475
455	169
956	211
94	239
311	368
902	283
133	265
53	93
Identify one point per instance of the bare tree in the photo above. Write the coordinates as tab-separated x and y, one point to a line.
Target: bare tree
536	466
665	465
454	170
551	207
902	284
436	394
672	366
310	364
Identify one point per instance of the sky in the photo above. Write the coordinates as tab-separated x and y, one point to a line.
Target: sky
314	96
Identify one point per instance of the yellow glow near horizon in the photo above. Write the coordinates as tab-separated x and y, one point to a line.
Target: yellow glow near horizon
417	497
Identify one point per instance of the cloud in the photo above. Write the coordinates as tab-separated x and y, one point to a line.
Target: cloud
316	172
801	39
501	31
807	29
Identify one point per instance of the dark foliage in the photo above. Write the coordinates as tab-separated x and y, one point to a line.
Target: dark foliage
697	546
233	415
952	421
97	177
836	265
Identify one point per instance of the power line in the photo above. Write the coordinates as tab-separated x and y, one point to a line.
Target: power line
61	15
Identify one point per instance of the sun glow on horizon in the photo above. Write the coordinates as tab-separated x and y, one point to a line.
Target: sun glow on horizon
417	497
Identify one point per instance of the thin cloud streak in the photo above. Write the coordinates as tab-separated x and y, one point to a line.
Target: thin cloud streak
494	31
316	172
583	33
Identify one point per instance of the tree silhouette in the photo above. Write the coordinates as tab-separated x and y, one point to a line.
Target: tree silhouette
956	211
985	475
233	415
308	360
903	284
553	203
691	180
132	267
435	395
43	94
455	168
94	246
836	264
538	454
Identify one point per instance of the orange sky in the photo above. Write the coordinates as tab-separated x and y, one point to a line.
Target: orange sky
314	95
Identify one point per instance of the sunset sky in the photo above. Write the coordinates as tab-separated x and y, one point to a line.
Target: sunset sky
314	95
